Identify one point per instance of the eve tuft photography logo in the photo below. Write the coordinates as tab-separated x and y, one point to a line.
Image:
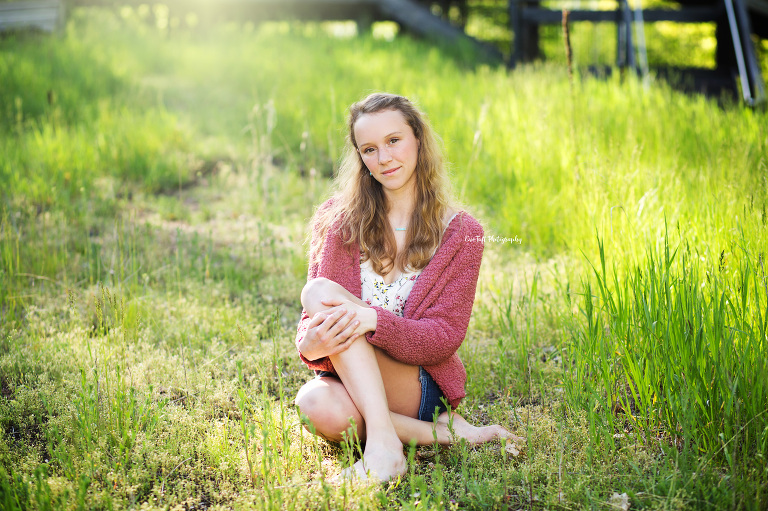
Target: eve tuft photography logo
494	239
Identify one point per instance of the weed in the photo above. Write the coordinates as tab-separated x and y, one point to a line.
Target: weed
147	310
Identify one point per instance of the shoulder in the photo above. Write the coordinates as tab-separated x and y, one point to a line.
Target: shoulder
325	206
462	240
328	226
465	226
324	216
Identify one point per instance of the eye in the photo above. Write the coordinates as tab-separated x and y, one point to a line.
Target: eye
368	150
394	140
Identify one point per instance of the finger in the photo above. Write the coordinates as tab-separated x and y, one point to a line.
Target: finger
352	338
317	319
331	320
331	310
342	323
344	346
346	337
349	330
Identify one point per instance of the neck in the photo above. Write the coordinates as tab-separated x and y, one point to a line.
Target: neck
400	208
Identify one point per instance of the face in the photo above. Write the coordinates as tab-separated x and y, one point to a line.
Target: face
389	149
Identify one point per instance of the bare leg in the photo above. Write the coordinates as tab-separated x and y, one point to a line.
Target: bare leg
327	404
425	433
380	394
359	372
319	289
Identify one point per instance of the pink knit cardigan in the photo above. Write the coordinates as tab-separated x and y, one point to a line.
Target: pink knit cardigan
436	313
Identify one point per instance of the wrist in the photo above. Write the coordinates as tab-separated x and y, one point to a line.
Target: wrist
305	351
370	320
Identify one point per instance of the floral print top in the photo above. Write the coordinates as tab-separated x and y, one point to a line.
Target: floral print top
387	296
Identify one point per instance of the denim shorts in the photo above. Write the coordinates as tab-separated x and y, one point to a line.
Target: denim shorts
431	395
433	401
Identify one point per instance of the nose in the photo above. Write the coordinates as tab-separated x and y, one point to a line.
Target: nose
384	156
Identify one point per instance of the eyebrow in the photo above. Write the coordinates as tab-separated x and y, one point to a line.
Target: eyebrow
385	136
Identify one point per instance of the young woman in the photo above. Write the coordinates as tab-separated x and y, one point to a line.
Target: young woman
393	269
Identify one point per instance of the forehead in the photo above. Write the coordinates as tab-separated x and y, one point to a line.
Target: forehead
370	128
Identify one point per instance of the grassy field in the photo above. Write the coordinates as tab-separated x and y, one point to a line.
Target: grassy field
155	190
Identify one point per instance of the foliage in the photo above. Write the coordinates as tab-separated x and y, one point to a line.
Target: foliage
153	209
675	352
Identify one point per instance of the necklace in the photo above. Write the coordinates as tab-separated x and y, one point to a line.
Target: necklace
400	228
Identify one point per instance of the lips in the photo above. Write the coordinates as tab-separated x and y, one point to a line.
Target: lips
390	171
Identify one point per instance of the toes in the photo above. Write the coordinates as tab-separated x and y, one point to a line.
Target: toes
361	473
355	473
368	473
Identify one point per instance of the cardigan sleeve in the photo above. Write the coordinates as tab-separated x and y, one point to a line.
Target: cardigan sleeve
440	329
322	364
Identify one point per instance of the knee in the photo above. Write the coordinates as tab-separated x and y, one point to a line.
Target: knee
308	407
320	416
314	290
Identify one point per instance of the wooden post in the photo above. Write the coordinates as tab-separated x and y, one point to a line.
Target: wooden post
364	23
630	47
530	38
567	41
621	41
526	33
513	8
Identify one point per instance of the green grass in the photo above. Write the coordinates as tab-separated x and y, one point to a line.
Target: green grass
152	214
675	353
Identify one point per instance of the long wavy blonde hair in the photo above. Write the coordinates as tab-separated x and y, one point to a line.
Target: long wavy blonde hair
361	206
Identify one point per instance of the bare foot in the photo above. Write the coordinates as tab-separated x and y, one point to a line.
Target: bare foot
472	434
378	464
354	473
